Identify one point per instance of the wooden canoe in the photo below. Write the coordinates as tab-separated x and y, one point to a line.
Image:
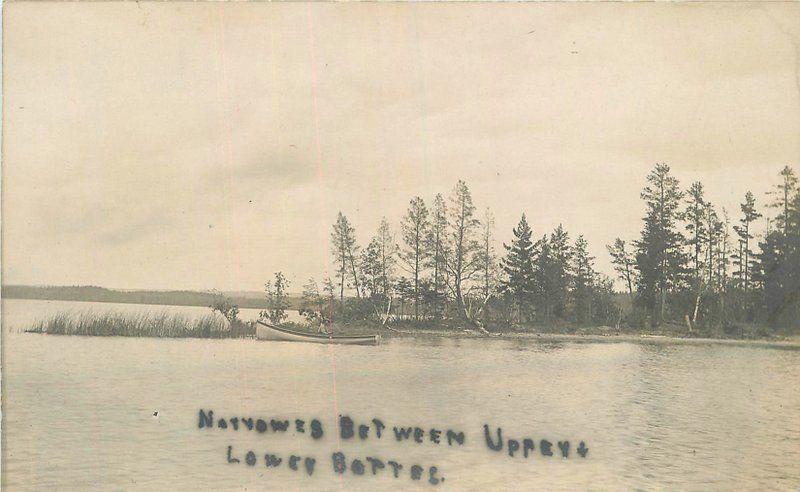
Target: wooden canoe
266	331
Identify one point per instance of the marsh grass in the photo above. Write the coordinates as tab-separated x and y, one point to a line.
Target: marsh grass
163	325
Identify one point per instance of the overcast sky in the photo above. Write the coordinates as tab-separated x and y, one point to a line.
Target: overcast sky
152	145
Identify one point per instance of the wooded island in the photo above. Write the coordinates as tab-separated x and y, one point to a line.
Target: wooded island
694	269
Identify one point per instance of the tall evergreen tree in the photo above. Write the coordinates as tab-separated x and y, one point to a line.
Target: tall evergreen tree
714	230
746	258
561	274
416	229
779	260
695	217
519	281
370	269
546	280
660	259
583	284
389	252
784	193
437	250
724	256
379	261
697	238
345	251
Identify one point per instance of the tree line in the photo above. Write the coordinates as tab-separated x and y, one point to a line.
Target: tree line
697	265
692	266
445	267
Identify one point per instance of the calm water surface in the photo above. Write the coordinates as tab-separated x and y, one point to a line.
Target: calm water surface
79	412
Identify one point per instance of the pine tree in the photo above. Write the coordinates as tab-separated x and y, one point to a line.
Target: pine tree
545	275
714	230
746	257
345	251
416	230
779	261
660	260
561	270
695	217
437	250
724	255
784	192
370	267
378	263
583	284
519	282
388	251
697	238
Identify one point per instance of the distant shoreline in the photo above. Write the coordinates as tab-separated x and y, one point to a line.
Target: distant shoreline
153	303
245	300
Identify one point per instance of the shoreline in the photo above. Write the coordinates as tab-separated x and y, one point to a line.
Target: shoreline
789	343
388	334
593	338
179	326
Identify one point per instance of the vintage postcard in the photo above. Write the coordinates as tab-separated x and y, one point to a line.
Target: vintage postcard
400	246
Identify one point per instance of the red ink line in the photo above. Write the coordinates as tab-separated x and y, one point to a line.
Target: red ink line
322	213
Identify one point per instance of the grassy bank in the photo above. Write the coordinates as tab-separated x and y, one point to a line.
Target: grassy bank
161	325
165	325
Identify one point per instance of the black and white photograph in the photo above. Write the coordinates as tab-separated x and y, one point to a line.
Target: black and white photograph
378	246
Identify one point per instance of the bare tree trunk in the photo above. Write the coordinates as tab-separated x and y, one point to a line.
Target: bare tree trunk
388	310
630	282
355	276
697	300
696	308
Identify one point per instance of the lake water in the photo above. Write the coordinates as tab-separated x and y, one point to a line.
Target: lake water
80	413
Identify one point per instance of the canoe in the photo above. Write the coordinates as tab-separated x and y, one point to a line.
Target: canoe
266	331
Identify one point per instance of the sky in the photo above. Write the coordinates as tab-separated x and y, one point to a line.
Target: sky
208	145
